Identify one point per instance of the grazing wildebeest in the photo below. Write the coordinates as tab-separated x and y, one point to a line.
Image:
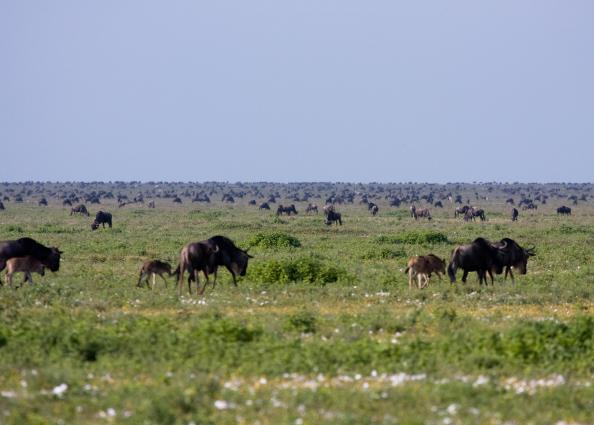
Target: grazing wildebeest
151	204
42	202
563	210
177	200
252	202
422	267
438	204
101	218
373	208
153	267
472	212
512	256
207	256
79	209
509	201
1	205
422	213
413	211
480	256
530	206
311	208
264	206
26	265
286	210
514	215
23	247
67	202
461	211
333	217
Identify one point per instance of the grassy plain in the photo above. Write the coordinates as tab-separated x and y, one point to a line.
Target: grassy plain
86	346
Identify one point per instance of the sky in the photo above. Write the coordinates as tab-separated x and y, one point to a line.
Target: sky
309	90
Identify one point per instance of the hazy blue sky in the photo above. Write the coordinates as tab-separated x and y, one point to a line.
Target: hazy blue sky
304	90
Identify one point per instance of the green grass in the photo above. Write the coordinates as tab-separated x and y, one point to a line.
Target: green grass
323	329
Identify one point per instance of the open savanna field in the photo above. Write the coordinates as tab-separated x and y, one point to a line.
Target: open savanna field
322	329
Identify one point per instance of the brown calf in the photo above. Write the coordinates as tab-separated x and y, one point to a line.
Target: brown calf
26	265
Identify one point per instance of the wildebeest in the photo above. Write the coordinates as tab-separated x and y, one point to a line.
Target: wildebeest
264	206
177	200
311	208
42	202
331	215
286	210
153	267
422	213
67	202
480	256
373	208
252	202
461	211
530	206
514	214
563	210
438	204
207	256
512	256
422	267
151	204
1	205
101	218
79	209
50	257
26	265
472	212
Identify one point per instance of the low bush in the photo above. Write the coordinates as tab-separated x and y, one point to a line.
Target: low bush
305	269
274	240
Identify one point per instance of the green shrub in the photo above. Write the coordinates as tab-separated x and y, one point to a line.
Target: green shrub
274	240
382	253
418	237
302	321
306	269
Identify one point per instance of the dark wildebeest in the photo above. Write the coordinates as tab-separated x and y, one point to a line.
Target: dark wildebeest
461	211
563	210
154	267
177	200
1	205
207	256
311	208
509	201
373	208
286	210
101	218
530	206
480	257
438	204
514	215
333	217
264	206
413	211
511	255
23	247
42	202
79	209
67	202
252	202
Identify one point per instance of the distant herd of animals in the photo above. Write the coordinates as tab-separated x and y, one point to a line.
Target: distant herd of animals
486	258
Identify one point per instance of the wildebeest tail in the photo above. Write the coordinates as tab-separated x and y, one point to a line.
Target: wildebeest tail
175	272
453	266
406	270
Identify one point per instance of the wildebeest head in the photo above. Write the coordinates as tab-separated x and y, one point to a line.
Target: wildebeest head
240	262
94	225
513	255
53	259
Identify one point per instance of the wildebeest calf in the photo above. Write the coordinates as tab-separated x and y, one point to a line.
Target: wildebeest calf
26	265
422	267
79	209
154	267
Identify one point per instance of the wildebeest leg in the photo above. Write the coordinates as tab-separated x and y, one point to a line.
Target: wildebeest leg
491	275
464	276
140	279
154	276
508	269
206	281
28	277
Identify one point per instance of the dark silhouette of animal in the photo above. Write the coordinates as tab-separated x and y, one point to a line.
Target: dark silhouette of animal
252	202
472	213
422	267
286	210
530	206
438	204
333	217
207	256
101	218
509	201
512	256
26	265
413	211
23	247
311	208
79	209
153	267
1	205
563	210
514	214
480	256
151	204
67	202
42	202
461	211
264	206
373	208
177	200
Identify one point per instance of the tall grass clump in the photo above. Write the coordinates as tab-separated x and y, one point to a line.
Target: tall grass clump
274	240
305	269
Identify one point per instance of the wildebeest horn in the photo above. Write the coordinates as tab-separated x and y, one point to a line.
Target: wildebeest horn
504	245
